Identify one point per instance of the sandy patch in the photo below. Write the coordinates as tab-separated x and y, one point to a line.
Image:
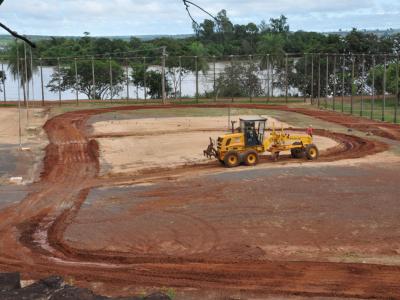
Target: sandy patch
130	154
164	142
167	125
31	124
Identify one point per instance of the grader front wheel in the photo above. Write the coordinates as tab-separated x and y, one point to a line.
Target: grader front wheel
231	159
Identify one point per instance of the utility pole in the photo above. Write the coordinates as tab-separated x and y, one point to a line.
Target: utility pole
164	96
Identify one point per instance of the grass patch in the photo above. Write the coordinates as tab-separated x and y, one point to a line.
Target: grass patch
377	109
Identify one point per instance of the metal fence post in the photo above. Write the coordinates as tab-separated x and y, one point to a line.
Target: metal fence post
26	83
334	81
93	80
111	81
144	78
19	97
286	79
397	99
4	85
251	84
272	77
268	79
373	87
164	96
352	84
197	77
214	79
305	78
127	78
180	77
32	77
362	85
327	82
232	67
312	79
41	79
76	81
59	79
319	80
343	81
384	87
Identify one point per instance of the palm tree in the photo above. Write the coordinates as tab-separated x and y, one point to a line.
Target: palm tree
21	66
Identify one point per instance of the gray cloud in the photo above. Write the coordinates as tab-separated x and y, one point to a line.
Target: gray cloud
132	17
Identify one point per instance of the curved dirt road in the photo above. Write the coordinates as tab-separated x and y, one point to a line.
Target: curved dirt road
31	233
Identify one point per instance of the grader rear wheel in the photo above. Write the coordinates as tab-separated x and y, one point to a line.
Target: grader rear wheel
297	152
250	158
231	159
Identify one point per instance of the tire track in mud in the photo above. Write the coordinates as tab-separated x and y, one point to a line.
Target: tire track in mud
31	232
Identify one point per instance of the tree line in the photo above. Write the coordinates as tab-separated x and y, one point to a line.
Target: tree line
213	37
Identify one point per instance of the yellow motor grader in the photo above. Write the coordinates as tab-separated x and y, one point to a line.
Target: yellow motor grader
246	143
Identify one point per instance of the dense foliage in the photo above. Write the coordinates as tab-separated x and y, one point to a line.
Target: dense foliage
221	38
66	78
224	38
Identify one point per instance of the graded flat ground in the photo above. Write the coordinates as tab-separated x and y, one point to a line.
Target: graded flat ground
132	145
14	162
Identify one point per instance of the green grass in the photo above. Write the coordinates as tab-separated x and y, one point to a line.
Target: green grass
185	112
366	108
359	108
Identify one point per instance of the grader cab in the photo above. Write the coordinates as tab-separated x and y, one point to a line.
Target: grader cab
245	144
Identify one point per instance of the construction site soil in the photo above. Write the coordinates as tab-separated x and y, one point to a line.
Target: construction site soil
210	256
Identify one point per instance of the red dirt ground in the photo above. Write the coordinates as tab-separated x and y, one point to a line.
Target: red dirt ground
32	232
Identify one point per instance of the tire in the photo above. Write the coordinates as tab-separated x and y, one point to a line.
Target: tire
312	152
250	158
232	159
297	152
275	156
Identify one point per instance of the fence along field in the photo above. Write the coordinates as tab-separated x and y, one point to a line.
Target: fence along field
360	84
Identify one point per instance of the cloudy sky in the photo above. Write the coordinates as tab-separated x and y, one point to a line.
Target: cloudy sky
138	17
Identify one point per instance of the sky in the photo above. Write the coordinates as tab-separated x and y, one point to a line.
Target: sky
144	17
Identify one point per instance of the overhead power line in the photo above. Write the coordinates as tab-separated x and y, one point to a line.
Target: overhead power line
187	6
15	34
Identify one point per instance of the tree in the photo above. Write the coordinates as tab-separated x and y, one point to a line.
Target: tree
301	78
65	79
176	75
391	81
207	29
150	79
3	78
224	24
20	65
18	49
239	80
279	25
